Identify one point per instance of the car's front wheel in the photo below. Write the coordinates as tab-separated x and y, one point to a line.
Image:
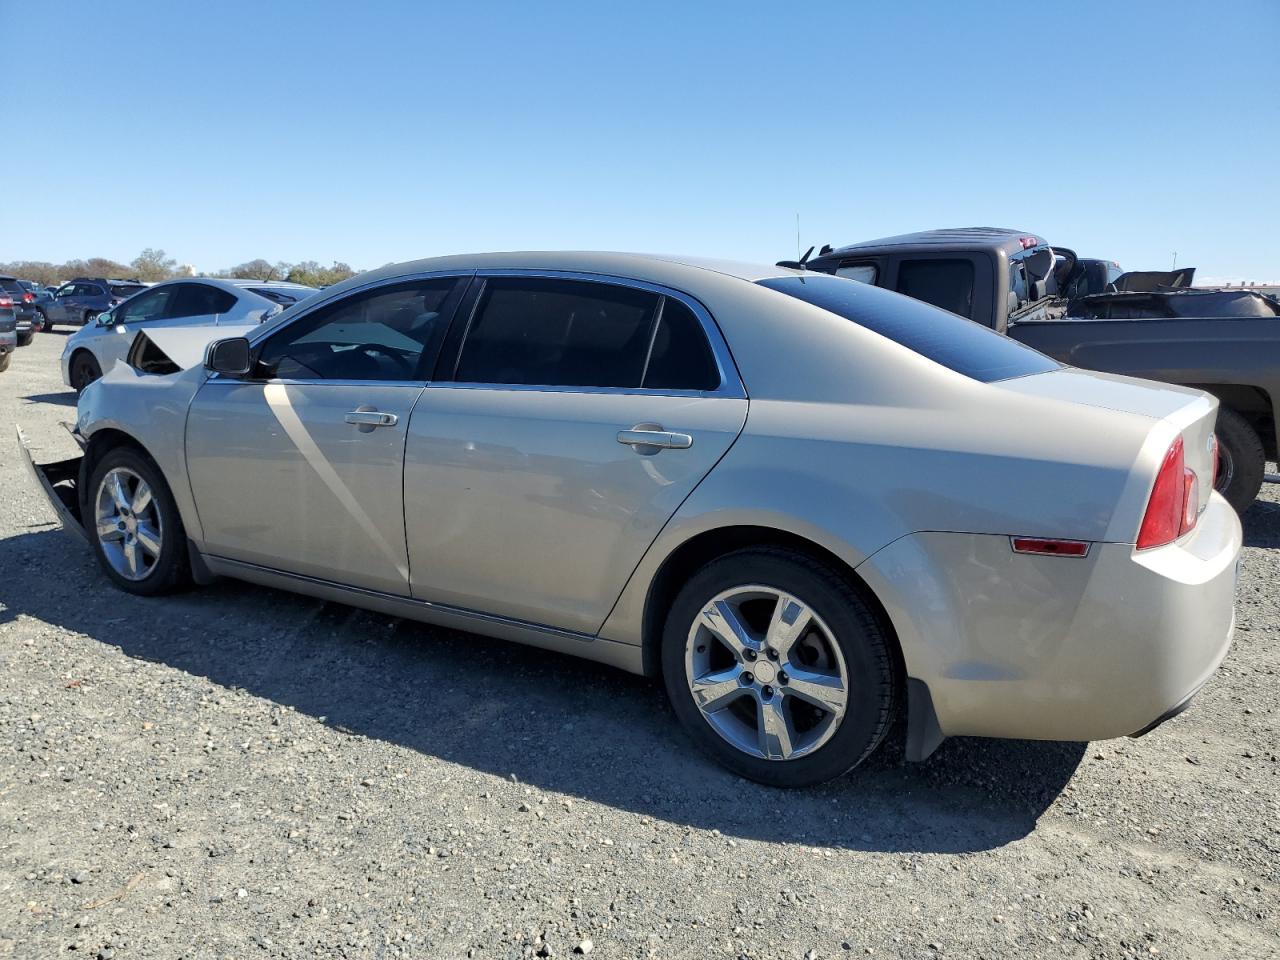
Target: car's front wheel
134	524
84	370
1242	461
46	325
779	668
5	359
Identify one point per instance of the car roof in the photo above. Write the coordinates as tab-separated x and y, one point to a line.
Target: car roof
668	269
951	238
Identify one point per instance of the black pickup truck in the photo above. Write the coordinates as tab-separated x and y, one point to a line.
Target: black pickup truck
1226	342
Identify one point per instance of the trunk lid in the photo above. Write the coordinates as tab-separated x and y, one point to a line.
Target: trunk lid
1175	411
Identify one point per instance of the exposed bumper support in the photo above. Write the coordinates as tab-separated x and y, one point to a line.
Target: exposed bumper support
59	481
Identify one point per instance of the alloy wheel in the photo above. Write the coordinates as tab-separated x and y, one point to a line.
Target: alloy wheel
128	524
766	672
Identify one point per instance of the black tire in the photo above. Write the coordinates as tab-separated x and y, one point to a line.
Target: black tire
46	325
5	360
89	317
84	370
171	569
863	641
1241	460
24	339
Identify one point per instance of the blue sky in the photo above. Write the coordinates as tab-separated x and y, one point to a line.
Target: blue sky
377	131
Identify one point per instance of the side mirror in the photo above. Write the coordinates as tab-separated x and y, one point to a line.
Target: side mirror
106	319
229	357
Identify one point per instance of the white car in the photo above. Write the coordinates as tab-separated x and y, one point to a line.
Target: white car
96	347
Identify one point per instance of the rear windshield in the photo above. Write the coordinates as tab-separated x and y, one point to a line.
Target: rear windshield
961	345
125	289
283	295
11	286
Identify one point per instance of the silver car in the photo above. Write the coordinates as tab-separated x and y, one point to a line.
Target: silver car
807	504
100	344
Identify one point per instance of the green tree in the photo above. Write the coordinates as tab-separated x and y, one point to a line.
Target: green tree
152	265
257	270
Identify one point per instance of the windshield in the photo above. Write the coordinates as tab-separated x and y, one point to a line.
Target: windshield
961	345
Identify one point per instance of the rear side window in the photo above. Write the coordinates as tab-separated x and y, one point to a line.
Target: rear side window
862	272
123	290
944	283
199	300
571	333
680	358
961	345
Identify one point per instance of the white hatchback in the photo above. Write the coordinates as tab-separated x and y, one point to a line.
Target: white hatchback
95	348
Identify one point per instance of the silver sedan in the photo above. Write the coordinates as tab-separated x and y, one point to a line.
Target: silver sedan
807	504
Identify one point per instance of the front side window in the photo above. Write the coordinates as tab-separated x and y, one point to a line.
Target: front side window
389	333
144	307
944	283
563	333
961	345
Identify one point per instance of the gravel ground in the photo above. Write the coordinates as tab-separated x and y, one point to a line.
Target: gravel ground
238	772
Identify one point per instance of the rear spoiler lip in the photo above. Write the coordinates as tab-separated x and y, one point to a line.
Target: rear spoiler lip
59	481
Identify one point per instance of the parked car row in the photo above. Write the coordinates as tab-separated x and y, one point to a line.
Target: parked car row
809	505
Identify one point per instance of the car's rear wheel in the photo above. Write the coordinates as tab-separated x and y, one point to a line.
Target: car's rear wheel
134	524
89	317
84	370
779	668
46	325
24	339
1241	460
5	359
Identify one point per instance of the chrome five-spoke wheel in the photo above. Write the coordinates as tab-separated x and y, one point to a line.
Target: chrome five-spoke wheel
128	523
766	672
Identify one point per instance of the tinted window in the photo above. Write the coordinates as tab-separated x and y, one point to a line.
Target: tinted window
862	272
962	345
380	334
681	358
12	286
123	290
558	333
283	295
199	299
144	307
944	283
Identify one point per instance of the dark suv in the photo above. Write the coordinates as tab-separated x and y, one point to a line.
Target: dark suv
23	308
80	300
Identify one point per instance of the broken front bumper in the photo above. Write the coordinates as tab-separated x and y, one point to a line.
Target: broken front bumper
60	482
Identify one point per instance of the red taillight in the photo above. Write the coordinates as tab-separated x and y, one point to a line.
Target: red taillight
28	298
1052	548
5	302
1174	506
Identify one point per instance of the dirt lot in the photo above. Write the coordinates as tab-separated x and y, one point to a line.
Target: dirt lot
238	772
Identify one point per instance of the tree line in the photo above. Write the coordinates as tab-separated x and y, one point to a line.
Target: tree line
153	265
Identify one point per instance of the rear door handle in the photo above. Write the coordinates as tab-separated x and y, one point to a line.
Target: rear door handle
371	418
647	435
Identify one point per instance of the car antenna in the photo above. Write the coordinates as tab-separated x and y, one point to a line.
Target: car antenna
797	264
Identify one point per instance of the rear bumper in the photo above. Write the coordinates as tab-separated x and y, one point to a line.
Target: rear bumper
1056	648
59	481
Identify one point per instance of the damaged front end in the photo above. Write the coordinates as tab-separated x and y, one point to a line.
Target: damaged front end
60	480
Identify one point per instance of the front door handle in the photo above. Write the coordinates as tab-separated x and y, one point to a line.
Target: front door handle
367	419
653	436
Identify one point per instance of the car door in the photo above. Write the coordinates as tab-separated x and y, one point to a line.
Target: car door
62	299
575	417
298	466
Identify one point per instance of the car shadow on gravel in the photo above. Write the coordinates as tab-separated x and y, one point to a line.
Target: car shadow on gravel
554	722
1262	524
66	399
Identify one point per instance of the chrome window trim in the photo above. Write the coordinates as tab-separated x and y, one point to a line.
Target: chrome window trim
730	380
